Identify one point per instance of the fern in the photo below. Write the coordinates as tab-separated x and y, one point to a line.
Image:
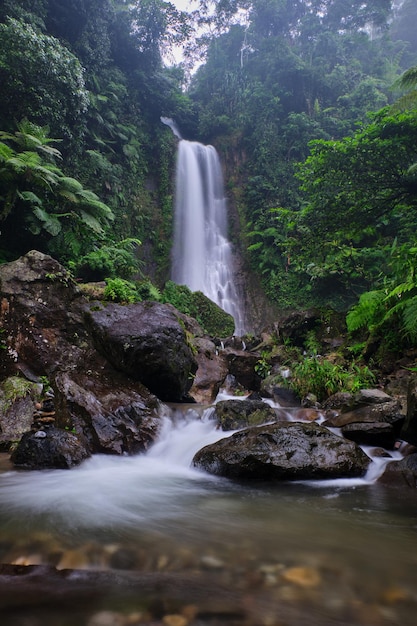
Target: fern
368	312
410	319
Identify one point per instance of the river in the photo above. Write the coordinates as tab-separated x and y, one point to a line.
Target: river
338	552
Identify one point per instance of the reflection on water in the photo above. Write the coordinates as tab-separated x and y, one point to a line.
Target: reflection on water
341	551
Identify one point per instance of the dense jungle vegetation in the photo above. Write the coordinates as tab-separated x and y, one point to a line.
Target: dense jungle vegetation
311	103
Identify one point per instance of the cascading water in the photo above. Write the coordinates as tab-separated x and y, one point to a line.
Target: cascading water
202	255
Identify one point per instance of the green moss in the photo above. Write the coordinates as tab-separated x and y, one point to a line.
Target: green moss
214	321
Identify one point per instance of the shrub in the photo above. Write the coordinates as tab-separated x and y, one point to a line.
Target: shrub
323	378
120	290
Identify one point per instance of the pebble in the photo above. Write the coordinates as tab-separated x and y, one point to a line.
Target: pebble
106	618
302	576
211	562
175	620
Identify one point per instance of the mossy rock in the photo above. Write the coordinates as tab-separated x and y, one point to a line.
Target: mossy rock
213	318
235	414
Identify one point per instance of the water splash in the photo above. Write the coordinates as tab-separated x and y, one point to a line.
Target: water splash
202	255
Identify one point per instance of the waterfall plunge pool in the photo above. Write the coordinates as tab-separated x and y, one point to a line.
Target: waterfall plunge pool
336	552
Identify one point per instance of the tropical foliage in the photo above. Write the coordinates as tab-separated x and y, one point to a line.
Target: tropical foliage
311	104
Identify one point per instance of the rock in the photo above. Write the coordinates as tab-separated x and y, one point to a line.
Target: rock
370	396
409	430
283	451
342	401
389	412
241	365
234	414
401	473
345	401
296	325
285	397
17	405
41	314
302	576
109	414
305	415
147	342
211	372
51	448
371	434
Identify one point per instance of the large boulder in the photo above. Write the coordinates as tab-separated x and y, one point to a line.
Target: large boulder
107	413
146	341
283	451
369	417
43	316
49	448
235	414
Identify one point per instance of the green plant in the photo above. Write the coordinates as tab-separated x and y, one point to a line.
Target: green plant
46	385
120	290
148	291
263	365
311	343
322	378
111	260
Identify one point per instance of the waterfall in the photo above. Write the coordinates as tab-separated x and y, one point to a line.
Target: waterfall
202	255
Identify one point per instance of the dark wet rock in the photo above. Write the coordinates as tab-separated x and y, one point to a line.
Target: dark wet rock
409	430
49	448
241	365
345	401
211	373
234	414
147	342
42	313
108	414
387	411
401	473
342	401
371	433
296	325
285	397
283	451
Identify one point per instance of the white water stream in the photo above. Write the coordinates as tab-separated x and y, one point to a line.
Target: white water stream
105	491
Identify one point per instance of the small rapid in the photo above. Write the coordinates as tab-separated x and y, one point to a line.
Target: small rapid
105	490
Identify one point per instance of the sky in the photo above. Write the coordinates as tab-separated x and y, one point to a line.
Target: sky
182	5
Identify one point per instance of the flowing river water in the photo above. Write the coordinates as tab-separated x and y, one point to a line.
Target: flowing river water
337	552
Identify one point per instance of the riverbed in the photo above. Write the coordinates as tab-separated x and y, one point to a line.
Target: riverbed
335	552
